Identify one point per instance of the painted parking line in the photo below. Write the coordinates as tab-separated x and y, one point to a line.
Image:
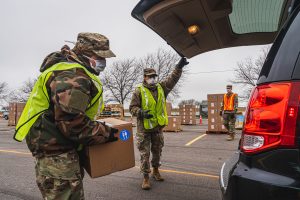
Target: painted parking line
187	173
15	152
162	170
196	139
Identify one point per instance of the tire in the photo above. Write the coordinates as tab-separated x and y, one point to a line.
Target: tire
6	117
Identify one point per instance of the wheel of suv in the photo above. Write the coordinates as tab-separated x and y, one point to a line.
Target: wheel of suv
6	117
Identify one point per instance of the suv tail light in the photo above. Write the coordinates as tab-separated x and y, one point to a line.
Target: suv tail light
271	115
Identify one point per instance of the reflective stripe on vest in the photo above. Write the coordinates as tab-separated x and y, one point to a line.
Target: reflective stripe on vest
157	109
229	102
39	101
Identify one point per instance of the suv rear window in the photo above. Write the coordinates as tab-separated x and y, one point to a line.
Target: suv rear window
255	15
281	60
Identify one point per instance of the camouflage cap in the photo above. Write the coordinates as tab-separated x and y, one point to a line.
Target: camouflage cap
229	86
94	44
149	72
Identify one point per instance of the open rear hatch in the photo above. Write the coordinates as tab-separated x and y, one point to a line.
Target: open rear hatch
214	24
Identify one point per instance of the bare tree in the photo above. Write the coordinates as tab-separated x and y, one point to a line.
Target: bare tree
3	90
22	94
3	93
247	72
163	62
120	79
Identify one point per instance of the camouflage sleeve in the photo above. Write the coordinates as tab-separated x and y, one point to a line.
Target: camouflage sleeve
169	83
135	104
70	95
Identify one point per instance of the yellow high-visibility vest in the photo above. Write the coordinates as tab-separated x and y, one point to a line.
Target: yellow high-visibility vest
157	108
39	101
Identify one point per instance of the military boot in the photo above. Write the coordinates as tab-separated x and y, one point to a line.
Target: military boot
146	182
156	175
230	137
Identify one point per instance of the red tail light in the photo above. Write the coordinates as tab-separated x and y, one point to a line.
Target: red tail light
270	120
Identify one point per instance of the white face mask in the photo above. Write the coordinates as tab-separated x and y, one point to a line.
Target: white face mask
100	65
150	81
97	65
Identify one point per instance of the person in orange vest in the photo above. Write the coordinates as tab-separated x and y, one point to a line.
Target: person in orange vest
228	111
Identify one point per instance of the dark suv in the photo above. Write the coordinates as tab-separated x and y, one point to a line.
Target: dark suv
267	165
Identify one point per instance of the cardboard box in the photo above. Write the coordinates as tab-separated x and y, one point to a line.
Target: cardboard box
174	124
213	127
20	108
169	108
12	114
188	114
214	107
189	121
212	97
104	159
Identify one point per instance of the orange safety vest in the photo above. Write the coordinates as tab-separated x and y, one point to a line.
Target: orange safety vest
229	102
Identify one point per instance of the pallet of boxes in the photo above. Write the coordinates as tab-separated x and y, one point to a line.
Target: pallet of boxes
174	124
15	111
215	121
112	111
188	114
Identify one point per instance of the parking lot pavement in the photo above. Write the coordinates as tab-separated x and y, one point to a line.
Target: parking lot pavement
190	164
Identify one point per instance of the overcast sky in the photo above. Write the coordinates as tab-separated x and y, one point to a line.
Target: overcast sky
31	29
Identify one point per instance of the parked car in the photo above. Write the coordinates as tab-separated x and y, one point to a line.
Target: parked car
5	115
266	165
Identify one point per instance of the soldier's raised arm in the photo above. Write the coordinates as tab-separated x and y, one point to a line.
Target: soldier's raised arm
169	83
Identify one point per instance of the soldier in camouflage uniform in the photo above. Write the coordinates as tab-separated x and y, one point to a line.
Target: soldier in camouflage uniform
152	140
59	132
228	111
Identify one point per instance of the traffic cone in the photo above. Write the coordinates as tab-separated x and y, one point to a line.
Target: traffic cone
200	121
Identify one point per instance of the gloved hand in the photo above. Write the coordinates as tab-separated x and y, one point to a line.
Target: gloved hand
145	114
221	113
182	62
112	132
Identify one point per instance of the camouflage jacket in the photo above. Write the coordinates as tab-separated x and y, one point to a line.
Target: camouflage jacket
136	102
62	127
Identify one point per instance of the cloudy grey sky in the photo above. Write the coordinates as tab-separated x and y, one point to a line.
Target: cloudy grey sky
32	29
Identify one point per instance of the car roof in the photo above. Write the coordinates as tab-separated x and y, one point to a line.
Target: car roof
221	23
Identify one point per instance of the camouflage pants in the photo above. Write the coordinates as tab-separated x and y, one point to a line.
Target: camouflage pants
58	177
147	142
229	122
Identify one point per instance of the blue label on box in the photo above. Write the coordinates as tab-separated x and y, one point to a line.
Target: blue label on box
124	135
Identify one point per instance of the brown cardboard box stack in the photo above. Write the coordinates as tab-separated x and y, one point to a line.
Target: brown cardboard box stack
12	114
112	110
104	159
188	114
20	108
117	111
169	108
174	124
215	121
15	111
